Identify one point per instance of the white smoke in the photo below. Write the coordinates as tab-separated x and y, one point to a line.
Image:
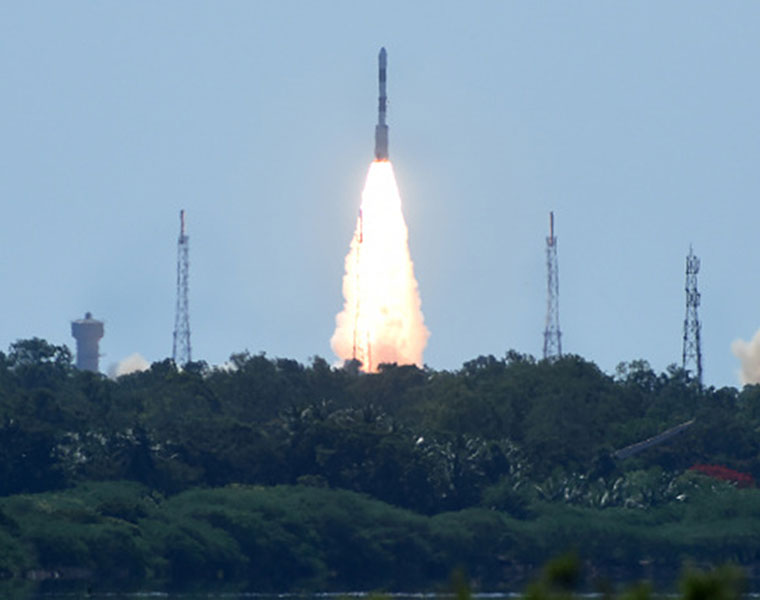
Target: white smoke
134	363
748	354
381	320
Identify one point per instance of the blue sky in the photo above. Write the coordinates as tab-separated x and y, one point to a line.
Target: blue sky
636	123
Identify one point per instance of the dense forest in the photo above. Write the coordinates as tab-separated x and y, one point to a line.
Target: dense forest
275	475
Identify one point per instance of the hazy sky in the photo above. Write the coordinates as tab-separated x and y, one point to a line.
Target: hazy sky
636	122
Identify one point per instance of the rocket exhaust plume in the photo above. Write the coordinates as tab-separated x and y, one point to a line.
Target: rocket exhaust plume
134	363
382	320
748	354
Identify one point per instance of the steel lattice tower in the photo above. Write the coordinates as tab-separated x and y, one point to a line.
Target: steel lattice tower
181	351
692	345
552	334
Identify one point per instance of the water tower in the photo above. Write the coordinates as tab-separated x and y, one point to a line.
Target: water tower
87	333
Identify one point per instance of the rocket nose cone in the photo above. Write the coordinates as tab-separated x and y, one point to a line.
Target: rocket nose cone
382	56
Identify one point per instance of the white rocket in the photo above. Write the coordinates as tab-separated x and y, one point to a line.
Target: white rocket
381	129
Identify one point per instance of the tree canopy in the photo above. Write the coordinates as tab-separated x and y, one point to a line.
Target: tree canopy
528	440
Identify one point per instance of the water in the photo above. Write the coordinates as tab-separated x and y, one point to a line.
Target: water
31	593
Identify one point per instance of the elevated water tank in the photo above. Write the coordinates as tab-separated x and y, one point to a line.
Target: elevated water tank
87	333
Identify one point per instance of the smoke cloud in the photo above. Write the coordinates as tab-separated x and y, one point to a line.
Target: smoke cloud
134	363
382	320
748	354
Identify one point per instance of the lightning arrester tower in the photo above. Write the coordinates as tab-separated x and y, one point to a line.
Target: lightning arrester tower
552	334
181	350
692	343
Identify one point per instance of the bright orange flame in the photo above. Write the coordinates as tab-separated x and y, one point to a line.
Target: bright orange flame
382	320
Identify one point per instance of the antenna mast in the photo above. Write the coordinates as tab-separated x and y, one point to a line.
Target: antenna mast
181	350
692	343
362	345
552	334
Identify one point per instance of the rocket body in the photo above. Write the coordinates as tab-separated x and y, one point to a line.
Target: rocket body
381	129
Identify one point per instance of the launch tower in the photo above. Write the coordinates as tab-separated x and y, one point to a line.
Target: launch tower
692	343
87	333
552	334
181	351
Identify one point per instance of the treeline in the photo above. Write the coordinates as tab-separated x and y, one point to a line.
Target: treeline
426	440
529	443
301	538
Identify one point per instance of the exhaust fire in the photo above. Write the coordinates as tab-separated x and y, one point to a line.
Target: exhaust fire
382	320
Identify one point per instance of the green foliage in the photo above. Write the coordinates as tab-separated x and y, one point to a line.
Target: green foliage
638	591
560	576
724	583
563	573
512	496
425	440
191	474
460	584
305	538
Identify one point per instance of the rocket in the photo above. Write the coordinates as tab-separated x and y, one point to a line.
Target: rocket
381	129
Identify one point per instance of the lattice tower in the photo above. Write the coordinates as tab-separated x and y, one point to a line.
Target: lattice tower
692	343
552	334
362	350
181	350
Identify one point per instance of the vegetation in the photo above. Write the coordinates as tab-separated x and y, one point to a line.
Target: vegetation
305	538
282	476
